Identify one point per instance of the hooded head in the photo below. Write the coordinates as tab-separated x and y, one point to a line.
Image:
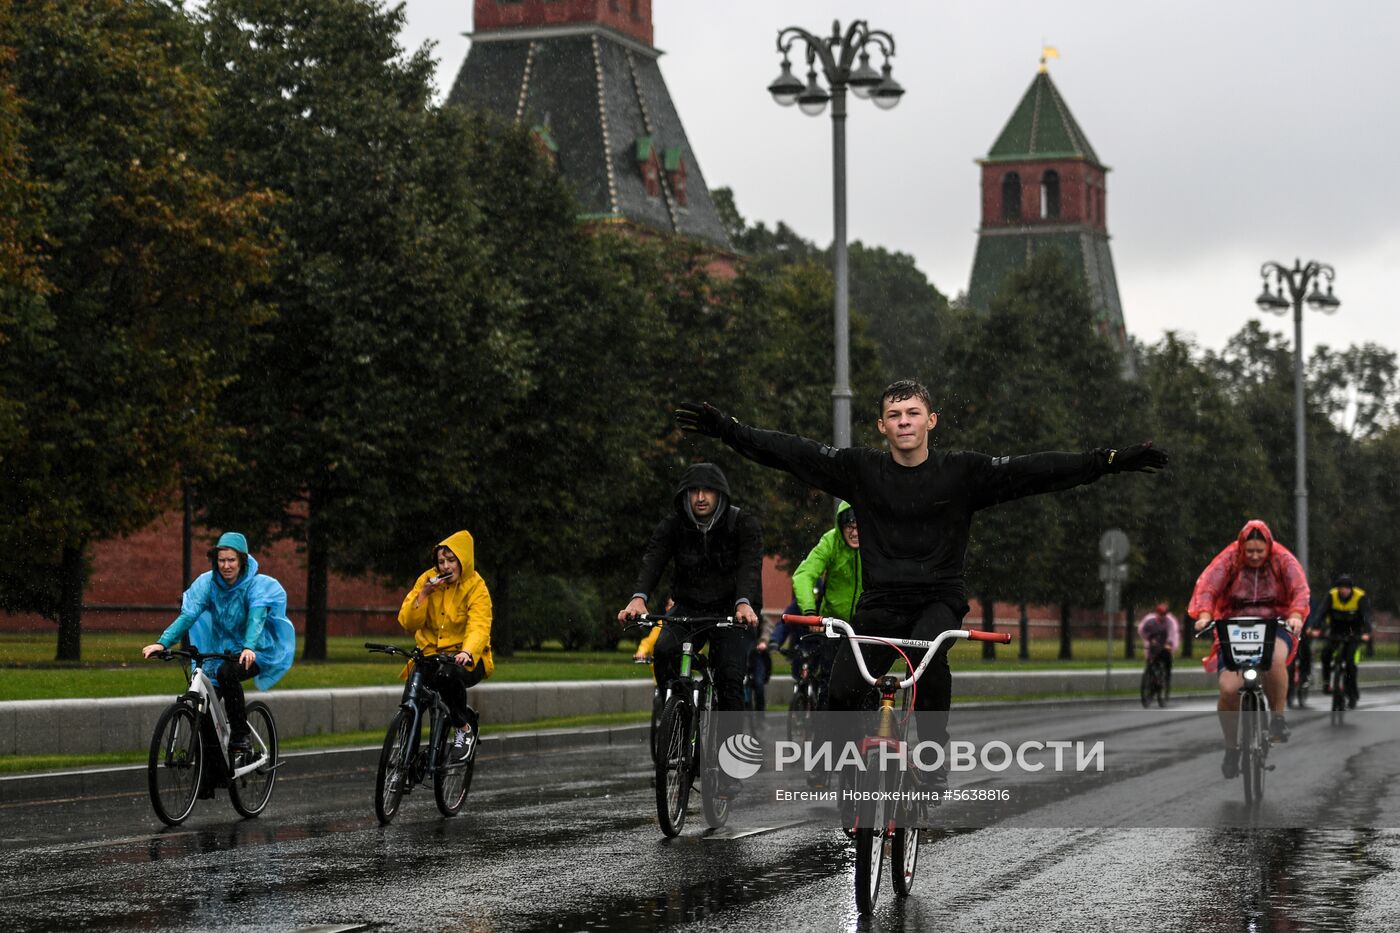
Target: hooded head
846	526
1255	544
231	541
702	476
462	547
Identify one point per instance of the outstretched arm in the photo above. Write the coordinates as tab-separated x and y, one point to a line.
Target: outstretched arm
815	464
1006	478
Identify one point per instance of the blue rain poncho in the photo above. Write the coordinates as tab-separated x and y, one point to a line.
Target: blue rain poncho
224	618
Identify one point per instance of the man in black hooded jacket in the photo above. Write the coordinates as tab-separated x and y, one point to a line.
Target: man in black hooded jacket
717	549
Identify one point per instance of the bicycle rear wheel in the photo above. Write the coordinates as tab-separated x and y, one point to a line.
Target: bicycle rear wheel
176	764
904	859
250	793
716	808
451	779
394	766
674	765
871	820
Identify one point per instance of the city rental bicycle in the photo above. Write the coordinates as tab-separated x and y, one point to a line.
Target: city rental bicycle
1247	646
404	762
687	738
190	757
882	821
1155	685
1298	684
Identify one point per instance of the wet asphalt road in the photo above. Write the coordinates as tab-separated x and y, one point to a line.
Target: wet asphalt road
567	840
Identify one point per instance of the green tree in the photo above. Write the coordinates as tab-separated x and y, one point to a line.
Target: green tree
390	338
904	312
148	254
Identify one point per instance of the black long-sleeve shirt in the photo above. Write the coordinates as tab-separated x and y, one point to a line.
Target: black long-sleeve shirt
914	521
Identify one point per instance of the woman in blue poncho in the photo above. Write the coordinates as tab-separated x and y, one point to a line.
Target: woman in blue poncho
234	609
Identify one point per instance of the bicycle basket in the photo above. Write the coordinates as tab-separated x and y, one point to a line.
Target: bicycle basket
1246	642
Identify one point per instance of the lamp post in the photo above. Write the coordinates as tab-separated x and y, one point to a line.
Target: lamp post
836	55
1286	288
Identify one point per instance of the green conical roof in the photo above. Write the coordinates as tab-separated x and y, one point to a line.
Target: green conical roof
1042	128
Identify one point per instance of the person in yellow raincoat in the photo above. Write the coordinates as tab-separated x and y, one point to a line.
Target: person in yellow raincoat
449	612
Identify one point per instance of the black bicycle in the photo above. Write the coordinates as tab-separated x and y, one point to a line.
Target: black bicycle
806	685
1155	684
405	762
190	754
1247	646
688	734
1341	678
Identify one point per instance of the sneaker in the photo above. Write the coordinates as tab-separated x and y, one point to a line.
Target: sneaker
818	780
240	745
728	787
1351	703
462	743
1230	765
1278	729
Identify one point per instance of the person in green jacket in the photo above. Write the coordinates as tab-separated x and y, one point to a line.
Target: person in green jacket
827	582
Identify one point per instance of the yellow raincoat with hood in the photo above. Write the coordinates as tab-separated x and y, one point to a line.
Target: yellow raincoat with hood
454	618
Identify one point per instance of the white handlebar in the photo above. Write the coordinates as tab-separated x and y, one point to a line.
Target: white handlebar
836	627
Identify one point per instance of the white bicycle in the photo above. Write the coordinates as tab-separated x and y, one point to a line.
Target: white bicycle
190	754
879	828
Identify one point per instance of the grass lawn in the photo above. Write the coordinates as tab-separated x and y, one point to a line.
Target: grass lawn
112	665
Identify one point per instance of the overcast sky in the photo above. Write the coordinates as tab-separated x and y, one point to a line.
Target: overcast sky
1236	132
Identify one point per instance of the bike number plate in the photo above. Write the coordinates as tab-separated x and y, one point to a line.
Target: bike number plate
1246	641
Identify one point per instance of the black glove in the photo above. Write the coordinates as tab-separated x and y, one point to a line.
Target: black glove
1139	458
704	418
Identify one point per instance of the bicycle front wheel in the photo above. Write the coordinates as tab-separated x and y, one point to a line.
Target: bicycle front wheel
871	820
394	767
799	718
674	765
1251	749
451	779
250	793
176	764
1145	688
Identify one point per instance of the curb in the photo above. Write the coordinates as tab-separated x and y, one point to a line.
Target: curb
48	787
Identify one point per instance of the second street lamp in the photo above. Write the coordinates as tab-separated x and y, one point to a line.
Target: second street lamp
1286	288
835	55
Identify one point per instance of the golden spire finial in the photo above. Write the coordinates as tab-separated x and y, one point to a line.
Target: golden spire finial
1047	52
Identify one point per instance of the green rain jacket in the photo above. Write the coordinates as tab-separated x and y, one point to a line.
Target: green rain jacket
840	563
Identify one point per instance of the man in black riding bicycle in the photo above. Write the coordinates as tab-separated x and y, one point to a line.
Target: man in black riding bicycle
915	506
1161	627
717	551
1342	615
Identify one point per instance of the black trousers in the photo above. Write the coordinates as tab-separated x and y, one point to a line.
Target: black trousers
729	654
230	676
451	682
849	691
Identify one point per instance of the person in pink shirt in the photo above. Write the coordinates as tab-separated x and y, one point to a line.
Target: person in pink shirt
1252	576
1160	626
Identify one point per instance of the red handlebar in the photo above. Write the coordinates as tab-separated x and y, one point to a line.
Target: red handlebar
979	635
792	619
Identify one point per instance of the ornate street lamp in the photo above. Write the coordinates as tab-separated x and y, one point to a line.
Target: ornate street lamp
1286	288
836	54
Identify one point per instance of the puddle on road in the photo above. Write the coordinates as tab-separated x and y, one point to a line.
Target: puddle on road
683	904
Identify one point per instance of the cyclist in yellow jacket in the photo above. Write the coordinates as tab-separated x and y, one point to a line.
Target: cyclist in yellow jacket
1342	616
449	612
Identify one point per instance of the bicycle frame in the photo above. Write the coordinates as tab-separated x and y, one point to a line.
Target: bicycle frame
418	699
204	697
